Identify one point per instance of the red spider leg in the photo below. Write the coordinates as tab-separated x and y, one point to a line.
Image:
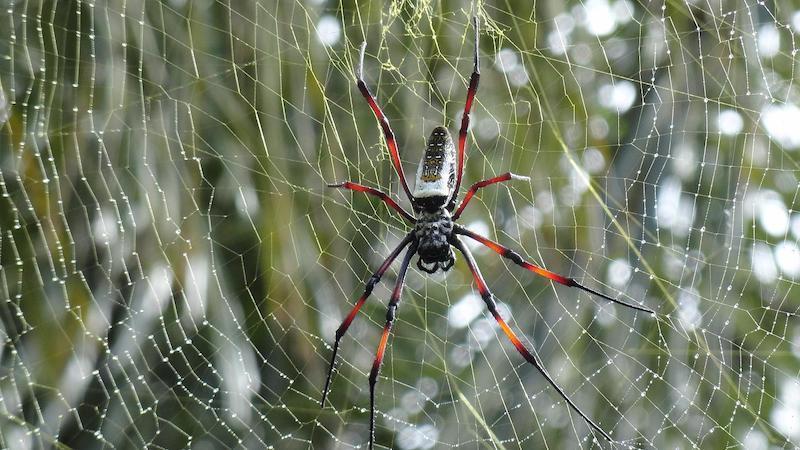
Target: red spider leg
517	259
488	299
482	184
384	122
379	354
385	197
373	280
462	134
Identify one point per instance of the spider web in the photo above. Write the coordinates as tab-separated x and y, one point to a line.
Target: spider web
174	268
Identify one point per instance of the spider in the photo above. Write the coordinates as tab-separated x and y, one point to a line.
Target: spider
436	234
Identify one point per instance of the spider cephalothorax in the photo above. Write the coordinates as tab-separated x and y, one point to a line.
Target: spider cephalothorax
433	231
436	234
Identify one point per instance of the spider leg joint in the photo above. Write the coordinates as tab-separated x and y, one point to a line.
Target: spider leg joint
373	376
491	305
373	280
390	313
514	256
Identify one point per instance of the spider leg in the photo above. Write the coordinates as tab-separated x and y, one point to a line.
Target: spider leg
381	195
379	354
474	79
488	299
373	280
517	259
482	184
384	122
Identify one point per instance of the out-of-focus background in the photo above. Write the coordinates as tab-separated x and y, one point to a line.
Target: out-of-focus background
173	268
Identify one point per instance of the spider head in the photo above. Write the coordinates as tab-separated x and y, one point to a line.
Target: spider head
434	231
436	174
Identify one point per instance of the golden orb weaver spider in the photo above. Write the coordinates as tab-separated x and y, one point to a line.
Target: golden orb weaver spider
435	234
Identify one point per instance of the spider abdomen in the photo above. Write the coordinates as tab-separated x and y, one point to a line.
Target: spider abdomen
434	231
436	174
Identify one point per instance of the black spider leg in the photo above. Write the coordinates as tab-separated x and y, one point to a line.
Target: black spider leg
482	184
381	195
517	259
474	79
384	122
390	316
373	280
488	299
